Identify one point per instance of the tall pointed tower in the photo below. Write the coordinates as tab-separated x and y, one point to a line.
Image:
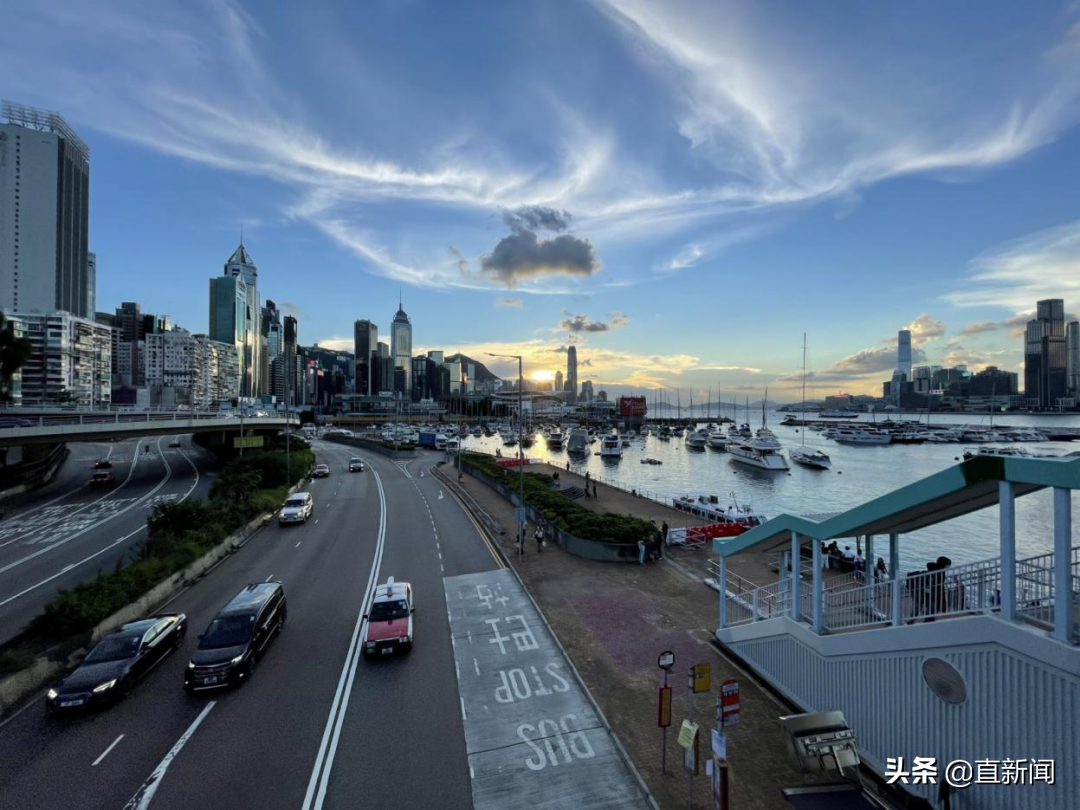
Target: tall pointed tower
240	265
401	345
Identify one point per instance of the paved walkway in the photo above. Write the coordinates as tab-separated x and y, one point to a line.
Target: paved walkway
613	620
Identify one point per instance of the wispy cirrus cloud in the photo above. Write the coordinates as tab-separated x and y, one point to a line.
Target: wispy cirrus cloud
516	303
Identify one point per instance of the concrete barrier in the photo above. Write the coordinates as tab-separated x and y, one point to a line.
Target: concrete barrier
38	473
375	447
44	670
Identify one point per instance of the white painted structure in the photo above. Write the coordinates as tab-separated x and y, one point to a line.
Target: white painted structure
994	675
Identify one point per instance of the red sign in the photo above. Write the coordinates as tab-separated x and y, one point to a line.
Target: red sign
632	406
510	462
663	718
729	702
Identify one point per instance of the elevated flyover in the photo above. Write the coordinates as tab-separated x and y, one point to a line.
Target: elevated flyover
104	427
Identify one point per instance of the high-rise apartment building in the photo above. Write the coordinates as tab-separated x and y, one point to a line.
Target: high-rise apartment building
558	381
401	347
903	353
229	323
44	214
240	265
186	369
70	360
1045	355
366	349
587	391
91	284
571	374
270	326
1072	359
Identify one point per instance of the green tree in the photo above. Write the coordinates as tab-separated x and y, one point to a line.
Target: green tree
14	352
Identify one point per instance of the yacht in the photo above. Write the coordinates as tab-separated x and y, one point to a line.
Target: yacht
578	443
555	439
854	435
665	433
1003	451
760	451
528	438
696	439
908	437
836	414
678	431
810	457
1026	435
708	507
509	437
611	447
717	440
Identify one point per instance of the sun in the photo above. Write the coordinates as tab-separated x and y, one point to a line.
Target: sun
543	376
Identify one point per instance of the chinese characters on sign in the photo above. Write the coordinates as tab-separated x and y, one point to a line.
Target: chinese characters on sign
961	774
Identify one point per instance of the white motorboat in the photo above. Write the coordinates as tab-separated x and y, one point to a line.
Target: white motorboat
708	507
696	439
717	440
810	457
852	435
555	439
665	433
578	443
1005	452
509	437
611	447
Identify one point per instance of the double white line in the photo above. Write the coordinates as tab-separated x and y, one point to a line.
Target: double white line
320	774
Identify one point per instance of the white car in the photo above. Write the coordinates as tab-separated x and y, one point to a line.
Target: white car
297	509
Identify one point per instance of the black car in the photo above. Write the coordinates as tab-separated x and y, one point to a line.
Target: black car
237	637
99	479
174	445
110	671
102	464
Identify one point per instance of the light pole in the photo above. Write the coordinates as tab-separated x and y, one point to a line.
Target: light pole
521	451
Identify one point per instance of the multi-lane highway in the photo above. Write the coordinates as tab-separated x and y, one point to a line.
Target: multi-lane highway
317	726
71	530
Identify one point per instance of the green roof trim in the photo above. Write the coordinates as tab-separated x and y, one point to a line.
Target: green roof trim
965	487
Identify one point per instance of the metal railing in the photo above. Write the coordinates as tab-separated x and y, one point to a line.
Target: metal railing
963	590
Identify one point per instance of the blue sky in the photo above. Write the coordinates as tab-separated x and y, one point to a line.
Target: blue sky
680	188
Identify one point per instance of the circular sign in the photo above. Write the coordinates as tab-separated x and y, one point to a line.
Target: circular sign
666	660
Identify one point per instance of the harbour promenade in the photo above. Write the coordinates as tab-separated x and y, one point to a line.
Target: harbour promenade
614	620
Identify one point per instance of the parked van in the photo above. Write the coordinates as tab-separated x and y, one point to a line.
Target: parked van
237	637
297	509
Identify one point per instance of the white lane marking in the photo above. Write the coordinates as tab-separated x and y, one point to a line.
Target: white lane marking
102	551
298	544
268	578
476	666
462	708
85	529
440	496
145	794
441	569
67	568
60	518
316	521
105	753
324	760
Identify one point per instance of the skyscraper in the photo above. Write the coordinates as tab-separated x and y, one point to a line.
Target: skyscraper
366	349
401	345
240	265
903	353
571	374
1072	358
229	324
1045	354
44	214
558	381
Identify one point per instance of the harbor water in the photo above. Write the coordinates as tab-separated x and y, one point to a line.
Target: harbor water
859	473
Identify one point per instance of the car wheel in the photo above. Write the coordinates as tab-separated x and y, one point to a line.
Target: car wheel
408	646
127	686
178	641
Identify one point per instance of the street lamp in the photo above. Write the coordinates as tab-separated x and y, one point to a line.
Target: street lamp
521	451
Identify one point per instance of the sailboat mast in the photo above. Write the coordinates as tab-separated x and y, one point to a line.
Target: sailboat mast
804	388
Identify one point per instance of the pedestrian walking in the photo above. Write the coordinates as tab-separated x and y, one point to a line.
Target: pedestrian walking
538	536
594	490
641	552
664	529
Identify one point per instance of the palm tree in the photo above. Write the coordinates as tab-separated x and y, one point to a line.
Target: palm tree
14	352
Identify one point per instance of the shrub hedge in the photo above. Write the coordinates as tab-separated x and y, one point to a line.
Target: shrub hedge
565	512
177	535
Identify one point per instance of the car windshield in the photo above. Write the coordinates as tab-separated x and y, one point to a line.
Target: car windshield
114	648
294	503
387	611
228	631
354	461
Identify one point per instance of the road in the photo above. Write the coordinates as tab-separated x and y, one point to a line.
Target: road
69	531
317	726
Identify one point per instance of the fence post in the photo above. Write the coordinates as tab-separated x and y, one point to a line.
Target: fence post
1063	590
897	591
757	592
1007	550
722	588
796	583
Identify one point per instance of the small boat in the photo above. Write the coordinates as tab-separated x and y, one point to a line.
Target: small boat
696	439
577	444
555	439
528	439
509	437
651	461
665	433
717	440
810	457
709	508
848	435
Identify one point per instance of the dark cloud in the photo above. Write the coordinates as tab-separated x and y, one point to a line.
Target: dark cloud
585	362
462	263
523	255
537	218
582	323
1016	324
561	350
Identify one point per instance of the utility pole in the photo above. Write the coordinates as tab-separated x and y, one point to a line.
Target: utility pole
521	451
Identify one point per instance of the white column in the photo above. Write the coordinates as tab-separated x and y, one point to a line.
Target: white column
723	591
796	580
1007	549
897	582
817	585
1063	595
868	574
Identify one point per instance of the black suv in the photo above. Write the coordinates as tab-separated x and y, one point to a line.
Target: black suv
237	637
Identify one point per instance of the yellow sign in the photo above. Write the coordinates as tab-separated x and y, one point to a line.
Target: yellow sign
687	733
701	678
247	441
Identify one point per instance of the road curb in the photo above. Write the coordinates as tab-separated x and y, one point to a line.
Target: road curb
577	675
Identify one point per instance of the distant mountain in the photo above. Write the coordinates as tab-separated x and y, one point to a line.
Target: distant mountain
482	373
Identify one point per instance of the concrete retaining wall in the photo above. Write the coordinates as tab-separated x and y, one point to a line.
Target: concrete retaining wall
590	549
40	474
375	447
44	670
